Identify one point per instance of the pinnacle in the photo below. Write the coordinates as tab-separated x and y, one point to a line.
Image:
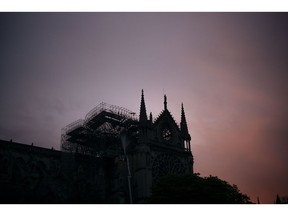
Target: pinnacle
143	115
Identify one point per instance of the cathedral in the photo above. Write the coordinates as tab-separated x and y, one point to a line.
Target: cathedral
110	156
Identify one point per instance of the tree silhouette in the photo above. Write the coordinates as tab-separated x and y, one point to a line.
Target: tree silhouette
193	189
281	200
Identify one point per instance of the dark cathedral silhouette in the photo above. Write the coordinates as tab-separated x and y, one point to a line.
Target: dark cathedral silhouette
111	156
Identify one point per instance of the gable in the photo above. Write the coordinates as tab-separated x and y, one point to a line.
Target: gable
167	130
166	117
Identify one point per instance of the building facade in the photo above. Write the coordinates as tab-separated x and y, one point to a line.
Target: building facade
111	156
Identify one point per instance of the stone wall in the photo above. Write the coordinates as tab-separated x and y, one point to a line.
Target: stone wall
30	174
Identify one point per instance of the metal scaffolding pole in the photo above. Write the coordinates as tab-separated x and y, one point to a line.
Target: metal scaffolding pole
124	141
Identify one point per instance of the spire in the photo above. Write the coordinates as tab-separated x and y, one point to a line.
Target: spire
143	115
183	124
151	118
165	102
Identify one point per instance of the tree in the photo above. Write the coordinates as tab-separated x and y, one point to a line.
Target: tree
193	189
281	200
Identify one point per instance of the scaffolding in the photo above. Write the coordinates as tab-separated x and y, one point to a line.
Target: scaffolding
99	133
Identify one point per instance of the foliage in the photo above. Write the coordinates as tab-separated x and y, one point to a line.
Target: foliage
193	189
281	200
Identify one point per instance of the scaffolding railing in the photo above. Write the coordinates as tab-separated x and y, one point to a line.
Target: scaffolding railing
123	112
72	126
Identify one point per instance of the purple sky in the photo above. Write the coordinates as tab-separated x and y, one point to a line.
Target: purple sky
229	69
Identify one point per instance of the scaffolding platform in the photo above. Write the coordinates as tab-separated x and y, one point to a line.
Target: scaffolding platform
99	133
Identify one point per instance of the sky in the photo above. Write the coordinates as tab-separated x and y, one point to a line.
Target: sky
229	69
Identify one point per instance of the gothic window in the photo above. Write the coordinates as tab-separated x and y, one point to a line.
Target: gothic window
166	134
165	164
